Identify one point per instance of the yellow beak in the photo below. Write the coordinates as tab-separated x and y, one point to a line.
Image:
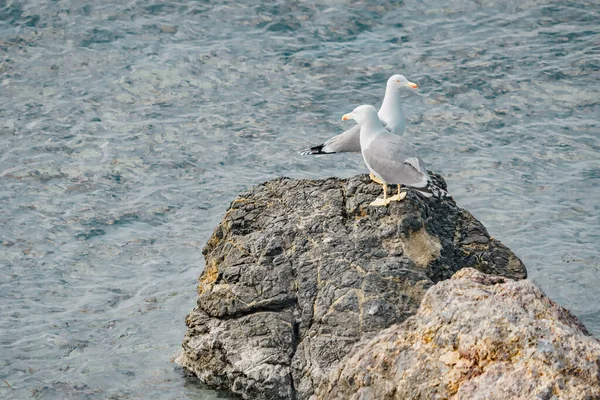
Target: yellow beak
346	117
412	85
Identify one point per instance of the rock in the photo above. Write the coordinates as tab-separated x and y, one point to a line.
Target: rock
299	271
475	336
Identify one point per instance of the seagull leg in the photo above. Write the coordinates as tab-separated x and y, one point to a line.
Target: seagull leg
385	199
399	196
381	202
375	179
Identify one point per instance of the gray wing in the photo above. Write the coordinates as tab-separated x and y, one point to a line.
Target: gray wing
347	142
391	158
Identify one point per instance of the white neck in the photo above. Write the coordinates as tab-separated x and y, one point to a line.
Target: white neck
391	113
369	128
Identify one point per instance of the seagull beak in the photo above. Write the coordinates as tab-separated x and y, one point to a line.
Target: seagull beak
348	116
412	85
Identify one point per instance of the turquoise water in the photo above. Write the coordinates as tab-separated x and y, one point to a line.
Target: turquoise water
127	128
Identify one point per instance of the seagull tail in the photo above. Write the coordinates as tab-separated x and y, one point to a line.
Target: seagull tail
431	190
316	150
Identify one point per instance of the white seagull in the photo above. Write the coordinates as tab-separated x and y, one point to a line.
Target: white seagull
390	115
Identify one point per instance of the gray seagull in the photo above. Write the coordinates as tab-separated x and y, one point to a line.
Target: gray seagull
390	159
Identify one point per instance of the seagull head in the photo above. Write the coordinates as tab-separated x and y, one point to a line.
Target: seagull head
361	113
398	82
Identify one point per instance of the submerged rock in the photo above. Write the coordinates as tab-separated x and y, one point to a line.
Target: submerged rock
474	337
297	272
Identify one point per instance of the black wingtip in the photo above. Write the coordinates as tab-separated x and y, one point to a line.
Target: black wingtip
438	192
315	150
432	190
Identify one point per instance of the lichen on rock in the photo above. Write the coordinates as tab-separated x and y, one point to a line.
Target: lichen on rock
297	272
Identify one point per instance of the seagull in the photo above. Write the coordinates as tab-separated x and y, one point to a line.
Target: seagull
390	114
390	159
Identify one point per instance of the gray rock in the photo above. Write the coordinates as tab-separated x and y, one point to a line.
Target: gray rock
298	271
474	337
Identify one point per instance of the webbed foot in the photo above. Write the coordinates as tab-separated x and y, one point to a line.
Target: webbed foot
398	197
380	202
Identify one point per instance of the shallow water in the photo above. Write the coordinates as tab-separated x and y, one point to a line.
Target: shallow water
126	130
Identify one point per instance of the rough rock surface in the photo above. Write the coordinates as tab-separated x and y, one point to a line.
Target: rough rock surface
475	336
299	271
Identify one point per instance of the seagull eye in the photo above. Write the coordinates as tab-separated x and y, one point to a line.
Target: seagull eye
397	81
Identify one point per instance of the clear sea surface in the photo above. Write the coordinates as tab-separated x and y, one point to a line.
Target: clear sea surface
126	128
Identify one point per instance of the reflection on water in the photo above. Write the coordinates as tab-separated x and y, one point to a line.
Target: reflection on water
126	130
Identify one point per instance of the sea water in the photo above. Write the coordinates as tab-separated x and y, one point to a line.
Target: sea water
126	128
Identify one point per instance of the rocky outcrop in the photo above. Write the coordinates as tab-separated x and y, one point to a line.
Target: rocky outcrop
299	271
474	337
